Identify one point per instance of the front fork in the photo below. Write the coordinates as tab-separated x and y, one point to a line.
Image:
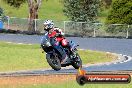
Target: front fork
73	55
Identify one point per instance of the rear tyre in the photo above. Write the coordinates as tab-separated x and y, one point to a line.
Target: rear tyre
54	61
77	62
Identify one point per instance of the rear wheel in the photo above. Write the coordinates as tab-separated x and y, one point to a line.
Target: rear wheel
77	62
54	61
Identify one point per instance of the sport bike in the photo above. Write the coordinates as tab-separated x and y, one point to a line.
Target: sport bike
54	56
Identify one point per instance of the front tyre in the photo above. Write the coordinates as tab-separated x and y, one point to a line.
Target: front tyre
53	61
77	62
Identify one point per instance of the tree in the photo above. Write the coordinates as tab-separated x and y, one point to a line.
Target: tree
1	12
33	13
81	10
33	10
121	12
15	3
2	16
107	2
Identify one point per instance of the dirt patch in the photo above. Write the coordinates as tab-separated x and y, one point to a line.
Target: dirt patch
27	80
35	80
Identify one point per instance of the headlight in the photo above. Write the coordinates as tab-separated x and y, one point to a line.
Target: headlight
48	44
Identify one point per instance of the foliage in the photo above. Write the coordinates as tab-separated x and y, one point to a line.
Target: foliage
2	16
47	10
15	3
33	6
81	10
1	11
107	2
121	12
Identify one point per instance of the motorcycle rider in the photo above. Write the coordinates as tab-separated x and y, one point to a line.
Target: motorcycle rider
54	32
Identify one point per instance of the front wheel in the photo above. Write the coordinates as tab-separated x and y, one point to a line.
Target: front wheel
77	62
53	61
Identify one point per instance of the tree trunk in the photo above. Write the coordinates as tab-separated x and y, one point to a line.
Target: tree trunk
33	14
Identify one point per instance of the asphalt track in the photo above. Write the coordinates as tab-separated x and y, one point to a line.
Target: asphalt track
114	45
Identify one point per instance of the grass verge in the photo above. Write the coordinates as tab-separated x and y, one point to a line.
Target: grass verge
15	57
49	81
73	84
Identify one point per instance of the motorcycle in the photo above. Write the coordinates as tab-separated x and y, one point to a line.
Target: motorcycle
54	57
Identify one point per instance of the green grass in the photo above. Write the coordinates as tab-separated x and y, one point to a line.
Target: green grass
93	57
71	84
23	57
75	85
51	9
